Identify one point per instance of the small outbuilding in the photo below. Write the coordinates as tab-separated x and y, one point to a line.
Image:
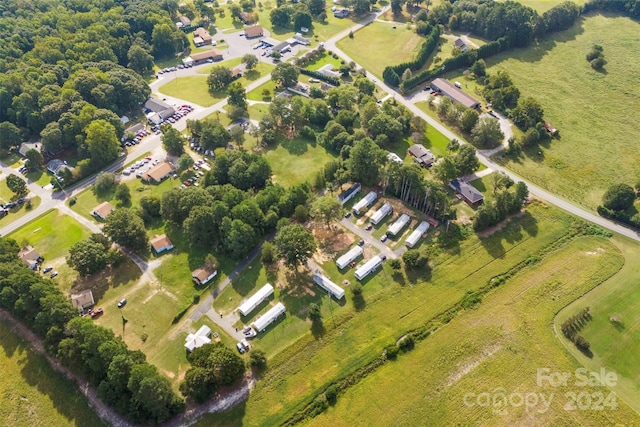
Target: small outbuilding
203	275
83	300
161	243
256	299
103	210
261	323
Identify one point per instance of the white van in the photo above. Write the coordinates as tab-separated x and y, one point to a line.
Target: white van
458	85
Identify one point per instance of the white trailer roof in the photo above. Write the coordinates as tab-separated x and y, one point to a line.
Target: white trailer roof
381	213
366	268
325	283
417	234
345	259
365	202
398	224
269	317
249	305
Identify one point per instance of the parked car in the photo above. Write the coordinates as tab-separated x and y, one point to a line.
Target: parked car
96	313
47	269
368	227
347	215
384	238
240	348
54	274
361	243
122	302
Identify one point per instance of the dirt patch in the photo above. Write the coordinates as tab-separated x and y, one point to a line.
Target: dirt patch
465	368
489	231
331	241
598	251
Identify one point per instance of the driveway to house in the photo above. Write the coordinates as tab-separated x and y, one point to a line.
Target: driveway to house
369	239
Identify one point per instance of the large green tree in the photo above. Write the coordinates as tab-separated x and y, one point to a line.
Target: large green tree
87	257
365	162
102	142
250	61
294	244
140	60
17	185
618	197
466	160
327	208
34	159
486	133
126	228
172	140
237	96
9	135
285	75
219	78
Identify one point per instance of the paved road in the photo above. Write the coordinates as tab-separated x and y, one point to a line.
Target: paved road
484	157
369	239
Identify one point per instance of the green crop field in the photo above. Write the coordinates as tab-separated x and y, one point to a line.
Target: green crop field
595	112
495	348
394	45
32	393
296	161
614	345
391	307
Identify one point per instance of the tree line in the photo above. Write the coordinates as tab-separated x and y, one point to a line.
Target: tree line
123	378
506	203
572	326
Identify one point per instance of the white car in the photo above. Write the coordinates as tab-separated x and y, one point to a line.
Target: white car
126	172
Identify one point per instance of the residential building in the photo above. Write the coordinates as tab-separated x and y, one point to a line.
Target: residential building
417	234
363	204
328	70
200	57
83	300
197	340
261	323
398	225
26	146
161	243
135	129
256	299
103	210
203	275
460	44
56	165
201	37
349	257
467	192
342	13
253	32
349	193
326	284
381	213
423	156
368	267
30	257
159	172
456	94
183	21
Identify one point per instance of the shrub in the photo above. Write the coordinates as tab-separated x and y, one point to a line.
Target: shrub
391	351
331	394
356	289
144	337
618	197
407	343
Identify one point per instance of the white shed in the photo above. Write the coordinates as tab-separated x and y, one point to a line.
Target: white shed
269	317
345	259
365	269
381	213
417	234
365	202
326	284
398	225
256	299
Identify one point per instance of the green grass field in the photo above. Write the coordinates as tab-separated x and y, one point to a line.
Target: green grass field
256	94
20	210
321	62
594	112
614	347
494	348
389	308
296	161
394	46
35	395
542	6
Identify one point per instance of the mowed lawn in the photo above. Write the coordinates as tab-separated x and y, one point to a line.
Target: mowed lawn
542	6
615	347
494	348
33	394
595	113
378	45
296	161
387	311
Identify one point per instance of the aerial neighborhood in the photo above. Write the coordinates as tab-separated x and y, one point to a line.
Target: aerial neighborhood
310	212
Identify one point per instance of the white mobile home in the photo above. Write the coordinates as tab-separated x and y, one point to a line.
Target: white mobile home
398	225
326	284
417	234
381	213
365	202
256	299
365	269
345	259
269	317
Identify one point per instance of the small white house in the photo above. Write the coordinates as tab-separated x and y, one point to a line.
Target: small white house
326	284
398	225
381	213
350	256
197	340
368	267
256	299
365	202
269	317
417	234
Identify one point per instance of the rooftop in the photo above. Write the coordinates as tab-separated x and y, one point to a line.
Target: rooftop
158	172
103	209
454	93
158	243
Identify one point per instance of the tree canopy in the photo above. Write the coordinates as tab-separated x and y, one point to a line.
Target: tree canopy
294	244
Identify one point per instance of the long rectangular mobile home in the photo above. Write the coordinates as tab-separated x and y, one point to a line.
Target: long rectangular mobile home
398	225
269	317
345	259
365	269
349	194
326	284
417	234
256	299
365	202
381	213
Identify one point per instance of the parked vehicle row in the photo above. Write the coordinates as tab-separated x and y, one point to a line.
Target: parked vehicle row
139	164
137	139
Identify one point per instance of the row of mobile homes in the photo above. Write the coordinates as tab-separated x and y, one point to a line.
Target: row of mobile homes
398	225
381	213
364	203
256	299
269	317
417	234
350	256
368	267
326	284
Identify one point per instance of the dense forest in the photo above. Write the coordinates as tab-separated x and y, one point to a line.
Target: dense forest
64	65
